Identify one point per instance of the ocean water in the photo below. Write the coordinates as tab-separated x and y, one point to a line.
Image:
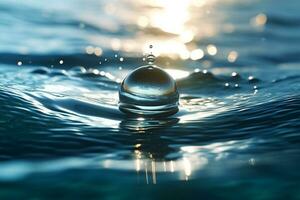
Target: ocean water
237	69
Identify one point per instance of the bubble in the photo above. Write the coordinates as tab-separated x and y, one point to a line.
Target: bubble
148	91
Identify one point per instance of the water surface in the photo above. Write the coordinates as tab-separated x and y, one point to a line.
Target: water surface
236	135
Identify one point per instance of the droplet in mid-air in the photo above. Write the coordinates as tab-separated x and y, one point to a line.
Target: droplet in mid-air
148	91
150	59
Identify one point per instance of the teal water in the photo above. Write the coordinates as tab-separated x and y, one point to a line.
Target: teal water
236	65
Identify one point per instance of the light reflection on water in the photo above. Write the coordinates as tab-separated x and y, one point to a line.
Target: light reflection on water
236	67
155	19
194	159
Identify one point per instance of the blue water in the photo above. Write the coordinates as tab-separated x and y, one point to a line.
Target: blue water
237	132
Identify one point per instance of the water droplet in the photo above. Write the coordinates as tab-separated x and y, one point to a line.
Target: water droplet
236	85
61	62
226	84
234	74
252	79
196	70
121	59
148	91
19	63
150	59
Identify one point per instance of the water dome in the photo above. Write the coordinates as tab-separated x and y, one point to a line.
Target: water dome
148	91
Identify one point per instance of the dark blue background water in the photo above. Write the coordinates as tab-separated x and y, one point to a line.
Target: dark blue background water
236	135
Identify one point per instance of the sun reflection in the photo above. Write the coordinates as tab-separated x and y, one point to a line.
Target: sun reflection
171	15
187	167
212	49
172	167
259	20
193	159
177	74
169	25
232	56
175	27
170	21
116	44
197	54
